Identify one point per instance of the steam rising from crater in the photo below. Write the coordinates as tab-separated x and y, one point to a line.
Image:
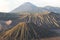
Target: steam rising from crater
8	22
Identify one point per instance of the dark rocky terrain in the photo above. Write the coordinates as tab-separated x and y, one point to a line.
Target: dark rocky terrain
30	26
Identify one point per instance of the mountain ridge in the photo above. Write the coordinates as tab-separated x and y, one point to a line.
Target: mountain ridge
29	7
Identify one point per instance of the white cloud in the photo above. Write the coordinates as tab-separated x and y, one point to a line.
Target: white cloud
3	6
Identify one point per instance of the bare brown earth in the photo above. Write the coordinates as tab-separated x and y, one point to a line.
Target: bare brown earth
52	38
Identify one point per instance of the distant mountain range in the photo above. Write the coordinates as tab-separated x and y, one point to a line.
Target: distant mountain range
29	7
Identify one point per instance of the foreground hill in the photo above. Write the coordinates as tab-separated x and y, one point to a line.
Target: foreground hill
22	31
25	31
33	27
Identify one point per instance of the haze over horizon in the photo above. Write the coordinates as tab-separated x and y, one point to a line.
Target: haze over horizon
8	5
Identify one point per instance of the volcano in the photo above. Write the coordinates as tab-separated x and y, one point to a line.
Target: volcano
33	27
29	7
26	7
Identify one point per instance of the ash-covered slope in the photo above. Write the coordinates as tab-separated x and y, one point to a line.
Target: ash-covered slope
33	27
22	31
46	21
26	31
43	19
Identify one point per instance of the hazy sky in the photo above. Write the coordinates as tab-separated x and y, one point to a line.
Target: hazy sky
8	5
